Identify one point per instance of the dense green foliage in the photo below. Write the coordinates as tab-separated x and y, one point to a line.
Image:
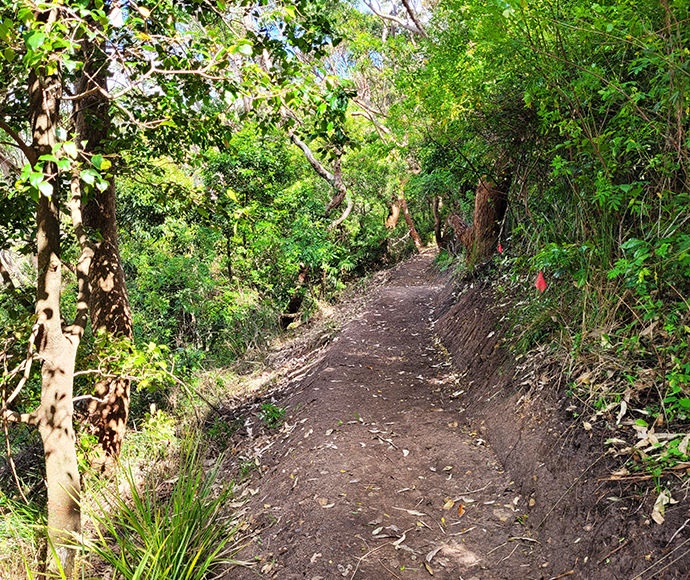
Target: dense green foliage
588	106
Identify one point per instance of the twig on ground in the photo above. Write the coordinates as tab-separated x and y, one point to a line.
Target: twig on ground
685	523
613	552
509	555
662	559
387	570
497	547
369	553
568	573
524	539
463	532
480	489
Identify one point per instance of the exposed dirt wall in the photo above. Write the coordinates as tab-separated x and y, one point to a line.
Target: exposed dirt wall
598	529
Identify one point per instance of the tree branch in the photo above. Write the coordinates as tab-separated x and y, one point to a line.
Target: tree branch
24	418
343	217
313	161
411	28
340	190
414	18
29	153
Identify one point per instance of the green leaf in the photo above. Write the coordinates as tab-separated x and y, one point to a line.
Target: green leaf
246	49
97	160
9	54
89	176
34	39
70	148
36	178
46	188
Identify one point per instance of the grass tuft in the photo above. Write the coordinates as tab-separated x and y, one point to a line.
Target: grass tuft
181	537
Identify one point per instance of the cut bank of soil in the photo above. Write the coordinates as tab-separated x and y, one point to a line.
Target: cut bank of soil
395	463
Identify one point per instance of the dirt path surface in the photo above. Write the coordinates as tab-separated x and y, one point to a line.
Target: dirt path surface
374	475
400	459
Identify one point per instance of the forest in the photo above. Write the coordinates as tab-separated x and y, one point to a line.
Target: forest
185	184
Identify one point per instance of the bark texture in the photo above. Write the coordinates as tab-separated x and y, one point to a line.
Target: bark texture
491	203
335	178
56	348
109	302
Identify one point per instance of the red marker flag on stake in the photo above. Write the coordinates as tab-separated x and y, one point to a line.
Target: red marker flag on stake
540	283
500	249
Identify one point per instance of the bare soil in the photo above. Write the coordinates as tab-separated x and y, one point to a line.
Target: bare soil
415	446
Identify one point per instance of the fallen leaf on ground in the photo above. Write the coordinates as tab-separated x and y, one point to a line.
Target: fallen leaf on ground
461	510
449	504
411	512
683	445
429	568
660	507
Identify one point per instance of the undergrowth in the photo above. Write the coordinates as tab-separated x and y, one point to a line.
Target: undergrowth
179	535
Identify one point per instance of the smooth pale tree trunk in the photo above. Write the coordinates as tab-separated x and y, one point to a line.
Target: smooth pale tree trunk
57	348
438	226
109	302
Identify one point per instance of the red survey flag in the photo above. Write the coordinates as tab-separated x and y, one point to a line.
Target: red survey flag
540	283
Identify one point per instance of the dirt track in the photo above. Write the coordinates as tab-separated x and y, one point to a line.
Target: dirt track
382	470
375	468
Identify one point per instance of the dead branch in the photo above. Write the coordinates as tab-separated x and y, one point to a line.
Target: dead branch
414	18
313	161
374	6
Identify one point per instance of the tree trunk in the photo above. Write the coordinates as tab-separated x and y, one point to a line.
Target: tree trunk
109	302
490	205
438	234
229	252
56	349
392	220
410	224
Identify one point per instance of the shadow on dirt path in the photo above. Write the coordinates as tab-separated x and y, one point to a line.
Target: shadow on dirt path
374	476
